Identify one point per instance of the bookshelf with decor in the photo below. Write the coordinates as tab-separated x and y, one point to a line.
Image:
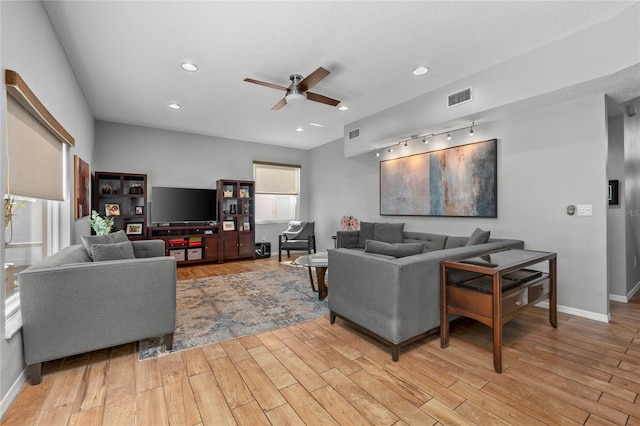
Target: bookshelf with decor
123	196
236	205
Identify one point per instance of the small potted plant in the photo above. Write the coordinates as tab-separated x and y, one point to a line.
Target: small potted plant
101	225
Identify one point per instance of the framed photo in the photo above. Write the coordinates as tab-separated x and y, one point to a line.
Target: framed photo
134	229
244	192
139	210
228	225
112	209
82	187
246	226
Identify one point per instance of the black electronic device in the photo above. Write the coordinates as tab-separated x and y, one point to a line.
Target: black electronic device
180	206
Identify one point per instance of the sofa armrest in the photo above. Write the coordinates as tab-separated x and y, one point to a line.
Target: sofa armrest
347	239
148	248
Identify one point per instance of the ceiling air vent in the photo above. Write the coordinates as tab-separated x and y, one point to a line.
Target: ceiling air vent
459	97
355	133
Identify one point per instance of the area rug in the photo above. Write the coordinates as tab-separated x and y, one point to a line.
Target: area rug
214	309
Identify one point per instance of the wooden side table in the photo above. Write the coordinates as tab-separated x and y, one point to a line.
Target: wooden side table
504	289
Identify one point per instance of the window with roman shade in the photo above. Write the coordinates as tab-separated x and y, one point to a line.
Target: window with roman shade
277	191
34	174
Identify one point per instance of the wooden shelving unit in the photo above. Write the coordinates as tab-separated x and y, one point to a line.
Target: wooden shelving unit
236	207
127	191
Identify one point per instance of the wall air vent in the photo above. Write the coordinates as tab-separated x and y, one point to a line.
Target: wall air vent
355	133
460	97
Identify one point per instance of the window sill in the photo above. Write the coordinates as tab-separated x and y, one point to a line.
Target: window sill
12	325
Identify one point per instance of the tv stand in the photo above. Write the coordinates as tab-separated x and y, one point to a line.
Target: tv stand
189	244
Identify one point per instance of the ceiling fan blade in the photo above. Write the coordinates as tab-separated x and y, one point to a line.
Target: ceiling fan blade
279	105
322	99
313	79
262	83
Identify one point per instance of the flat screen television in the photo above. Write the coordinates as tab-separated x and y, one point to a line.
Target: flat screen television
183	205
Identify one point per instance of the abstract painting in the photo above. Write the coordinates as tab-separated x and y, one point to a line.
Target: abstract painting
459	181
82	178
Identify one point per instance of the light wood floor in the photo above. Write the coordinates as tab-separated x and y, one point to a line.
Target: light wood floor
314	373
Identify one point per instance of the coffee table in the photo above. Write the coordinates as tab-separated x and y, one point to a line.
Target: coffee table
320	261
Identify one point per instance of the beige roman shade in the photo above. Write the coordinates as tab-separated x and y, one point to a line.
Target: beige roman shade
35	154
274	178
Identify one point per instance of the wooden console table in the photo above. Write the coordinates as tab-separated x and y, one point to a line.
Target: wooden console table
500	289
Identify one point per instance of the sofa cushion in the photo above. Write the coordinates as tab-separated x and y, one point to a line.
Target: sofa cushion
395	250
431	242
366	233
116	237
478	237
113	251
388	232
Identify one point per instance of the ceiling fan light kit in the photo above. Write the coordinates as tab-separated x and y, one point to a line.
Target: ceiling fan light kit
297	92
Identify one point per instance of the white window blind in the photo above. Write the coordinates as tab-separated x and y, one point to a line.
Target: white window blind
276	178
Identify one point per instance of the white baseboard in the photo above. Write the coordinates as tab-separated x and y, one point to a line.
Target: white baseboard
15	389
578	312
625	299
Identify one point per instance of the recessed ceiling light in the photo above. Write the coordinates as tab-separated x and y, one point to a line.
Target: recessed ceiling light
189	67
316	125
299	129
175	106
343	108
420	71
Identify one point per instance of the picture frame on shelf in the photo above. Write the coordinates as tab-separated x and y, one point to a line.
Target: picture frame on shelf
139	210
112	209
246	226
134	229
228	225
244	192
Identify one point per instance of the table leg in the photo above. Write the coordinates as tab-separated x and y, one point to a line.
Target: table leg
553	301
444	316
313	287
497	323
322	285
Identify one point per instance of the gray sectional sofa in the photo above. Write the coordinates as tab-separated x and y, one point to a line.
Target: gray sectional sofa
72	304
396	299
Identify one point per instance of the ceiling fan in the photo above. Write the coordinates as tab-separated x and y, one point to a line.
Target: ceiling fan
297	92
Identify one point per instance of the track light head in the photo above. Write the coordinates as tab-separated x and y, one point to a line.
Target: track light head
389	149
425	140
406	145
471	131
448	136
377	153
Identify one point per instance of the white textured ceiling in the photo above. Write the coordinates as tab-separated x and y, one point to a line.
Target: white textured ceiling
127	56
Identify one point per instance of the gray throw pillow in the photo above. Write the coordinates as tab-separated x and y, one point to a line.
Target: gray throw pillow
116	237
388	232
113	251
395	250
366	233
478	237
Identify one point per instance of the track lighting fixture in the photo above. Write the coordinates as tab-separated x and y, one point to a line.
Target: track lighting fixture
425	138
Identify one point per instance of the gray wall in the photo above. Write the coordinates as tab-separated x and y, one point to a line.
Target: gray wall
616	220
182	159
548	158
29	46
632	196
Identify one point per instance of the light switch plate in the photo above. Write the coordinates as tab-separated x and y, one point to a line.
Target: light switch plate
584	209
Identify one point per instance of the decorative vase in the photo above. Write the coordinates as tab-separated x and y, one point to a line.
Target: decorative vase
232	209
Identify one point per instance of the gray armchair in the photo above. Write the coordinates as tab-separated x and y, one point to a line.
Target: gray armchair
298	236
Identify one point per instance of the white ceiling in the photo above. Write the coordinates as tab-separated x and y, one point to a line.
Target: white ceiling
127	55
